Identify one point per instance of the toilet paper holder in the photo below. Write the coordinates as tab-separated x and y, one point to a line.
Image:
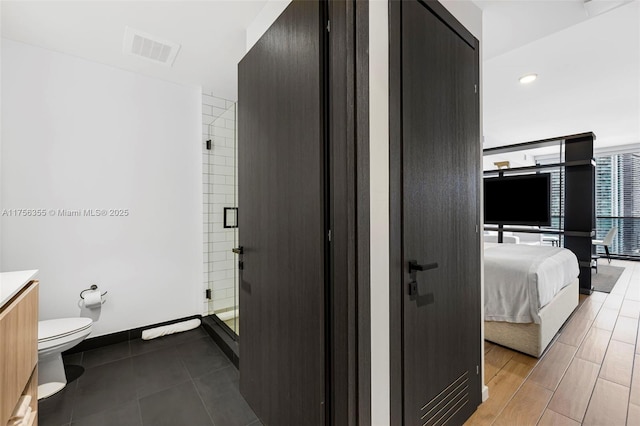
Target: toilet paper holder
93	287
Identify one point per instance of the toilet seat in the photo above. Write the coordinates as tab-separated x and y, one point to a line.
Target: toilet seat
58	328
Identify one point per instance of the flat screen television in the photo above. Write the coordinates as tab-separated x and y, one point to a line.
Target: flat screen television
518	200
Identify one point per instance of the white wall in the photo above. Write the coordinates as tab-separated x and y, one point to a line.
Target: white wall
81	135
264	19
470	16
1	205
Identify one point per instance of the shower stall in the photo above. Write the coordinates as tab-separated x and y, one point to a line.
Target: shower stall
220	198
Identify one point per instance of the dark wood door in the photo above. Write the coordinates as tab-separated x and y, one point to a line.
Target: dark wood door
282	221
440	171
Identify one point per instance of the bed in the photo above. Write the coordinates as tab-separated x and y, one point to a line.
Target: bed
529	292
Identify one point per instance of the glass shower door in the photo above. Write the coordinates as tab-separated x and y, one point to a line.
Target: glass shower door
222	229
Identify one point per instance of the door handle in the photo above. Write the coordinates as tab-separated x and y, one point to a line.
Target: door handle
413	285
413	266
239	250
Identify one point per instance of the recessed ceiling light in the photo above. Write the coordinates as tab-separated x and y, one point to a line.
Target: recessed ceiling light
525	79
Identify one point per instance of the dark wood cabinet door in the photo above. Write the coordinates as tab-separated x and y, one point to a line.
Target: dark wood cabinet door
440	171
282	221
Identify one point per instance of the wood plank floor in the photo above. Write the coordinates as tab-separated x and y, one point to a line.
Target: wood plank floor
589	375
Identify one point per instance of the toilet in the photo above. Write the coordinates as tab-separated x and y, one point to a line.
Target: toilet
54	337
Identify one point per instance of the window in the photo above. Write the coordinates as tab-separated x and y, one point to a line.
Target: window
618	201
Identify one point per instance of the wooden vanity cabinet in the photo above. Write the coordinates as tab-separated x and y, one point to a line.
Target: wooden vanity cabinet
19	352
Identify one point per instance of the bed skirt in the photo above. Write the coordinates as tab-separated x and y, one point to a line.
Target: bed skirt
531	338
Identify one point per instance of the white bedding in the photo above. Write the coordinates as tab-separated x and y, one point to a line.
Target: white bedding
520	279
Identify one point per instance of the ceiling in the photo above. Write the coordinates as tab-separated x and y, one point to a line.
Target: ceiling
509	24
211	34
588	64
588	68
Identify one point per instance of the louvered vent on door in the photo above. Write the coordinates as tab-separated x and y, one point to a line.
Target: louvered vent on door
447	403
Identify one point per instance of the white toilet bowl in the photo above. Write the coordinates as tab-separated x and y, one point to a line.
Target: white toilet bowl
54	337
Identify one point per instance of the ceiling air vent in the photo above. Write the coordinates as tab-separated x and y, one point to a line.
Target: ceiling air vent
151	48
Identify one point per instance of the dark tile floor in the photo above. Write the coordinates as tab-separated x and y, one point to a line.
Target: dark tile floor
181	379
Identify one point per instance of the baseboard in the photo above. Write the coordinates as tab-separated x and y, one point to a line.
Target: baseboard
120	336
485	393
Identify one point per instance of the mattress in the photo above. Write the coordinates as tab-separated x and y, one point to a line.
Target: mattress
520	279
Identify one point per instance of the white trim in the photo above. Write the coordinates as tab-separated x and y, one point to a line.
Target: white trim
620	149
379	187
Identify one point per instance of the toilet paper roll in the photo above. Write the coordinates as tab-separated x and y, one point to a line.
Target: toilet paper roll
92	299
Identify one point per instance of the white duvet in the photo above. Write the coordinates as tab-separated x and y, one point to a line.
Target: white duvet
520	279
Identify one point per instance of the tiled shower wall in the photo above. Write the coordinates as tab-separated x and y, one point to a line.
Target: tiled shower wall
219	183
